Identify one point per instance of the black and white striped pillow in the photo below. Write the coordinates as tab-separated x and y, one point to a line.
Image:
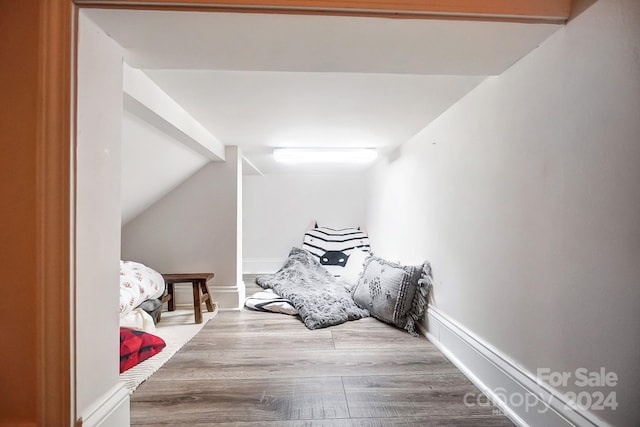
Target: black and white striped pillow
332	247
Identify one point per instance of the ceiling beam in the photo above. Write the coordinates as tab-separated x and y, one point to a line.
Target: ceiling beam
556	11
149	102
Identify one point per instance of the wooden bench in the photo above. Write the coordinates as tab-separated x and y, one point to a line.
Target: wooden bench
200	291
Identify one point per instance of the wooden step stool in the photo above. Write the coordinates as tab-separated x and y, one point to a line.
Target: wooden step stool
200	291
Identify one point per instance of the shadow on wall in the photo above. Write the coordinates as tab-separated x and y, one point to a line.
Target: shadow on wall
395	154
579	6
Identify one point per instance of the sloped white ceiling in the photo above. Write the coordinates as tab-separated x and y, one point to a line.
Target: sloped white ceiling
261	81
304	43
152	165
266	80
285	109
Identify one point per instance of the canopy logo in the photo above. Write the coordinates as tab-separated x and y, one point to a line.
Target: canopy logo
590	391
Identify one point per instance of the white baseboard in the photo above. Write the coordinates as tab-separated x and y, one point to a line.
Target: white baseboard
111	410
228	297
511	388
261	265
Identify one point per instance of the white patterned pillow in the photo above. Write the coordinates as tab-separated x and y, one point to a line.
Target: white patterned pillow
138	283
332	247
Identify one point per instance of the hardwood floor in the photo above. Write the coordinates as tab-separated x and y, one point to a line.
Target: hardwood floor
263	369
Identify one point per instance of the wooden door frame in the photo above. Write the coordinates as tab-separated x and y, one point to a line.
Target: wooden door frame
54	216
551	11
56	144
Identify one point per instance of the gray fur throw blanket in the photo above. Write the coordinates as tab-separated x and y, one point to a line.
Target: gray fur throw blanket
320	298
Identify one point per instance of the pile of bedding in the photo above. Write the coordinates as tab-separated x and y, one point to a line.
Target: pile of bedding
334	278
316	280
320	299
138	283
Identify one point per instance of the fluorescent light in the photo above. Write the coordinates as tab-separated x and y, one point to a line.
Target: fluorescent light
324	155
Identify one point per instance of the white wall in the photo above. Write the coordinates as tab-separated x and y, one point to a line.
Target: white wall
194	228
153	164
97	218
278	209
525	196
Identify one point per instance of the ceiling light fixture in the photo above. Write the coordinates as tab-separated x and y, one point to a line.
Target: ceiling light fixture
325	155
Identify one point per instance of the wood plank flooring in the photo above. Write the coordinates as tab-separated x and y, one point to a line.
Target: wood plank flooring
263	369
